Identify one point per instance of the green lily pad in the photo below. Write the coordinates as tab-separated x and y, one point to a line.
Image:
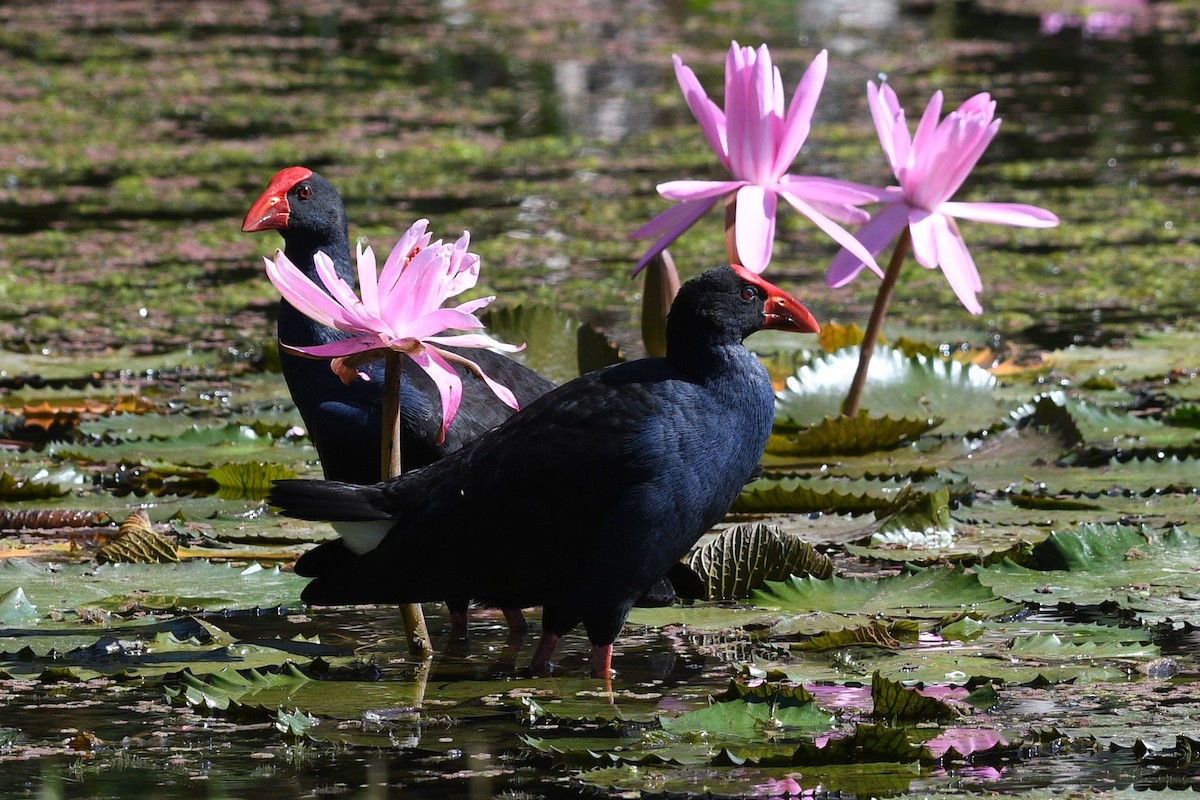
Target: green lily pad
892	700
199	585
737	720
13	488
1154	575
556	345
849	435
898	386
248	480
15	608
802	495
927	595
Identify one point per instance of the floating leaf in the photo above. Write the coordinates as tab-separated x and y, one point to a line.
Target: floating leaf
15	608
138	543
927	594
918	512
898	386
834	336
249	480
557	345
874	634
868	743
893	700
188	585
749	720
741	558
294	723
1155	575
849	435
12	488
801	496
776	693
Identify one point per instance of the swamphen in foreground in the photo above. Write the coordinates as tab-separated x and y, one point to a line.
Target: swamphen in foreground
345	421
584	498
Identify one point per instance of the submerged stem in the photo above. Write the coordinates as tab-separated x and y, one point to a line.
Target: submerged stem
854	397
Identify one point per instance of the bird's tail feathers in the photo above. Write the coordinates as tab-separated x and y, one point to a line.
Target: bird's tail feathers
331	501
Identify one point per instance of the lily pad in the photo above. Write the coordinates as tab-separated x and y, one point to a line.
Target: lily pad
928	595
962	395
1154	575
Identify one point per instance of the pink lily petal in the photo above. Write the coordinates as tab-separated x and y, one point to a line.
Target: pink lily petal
924	237
367	279
710	117
674	221
889	124
341	347
417	237
837	232
1002	214
697	190
308	298
449	385
832	190
437	321
475	340
344	295
800	113
501	391
875	236
755	227
464	267
927	126
957	264
471	306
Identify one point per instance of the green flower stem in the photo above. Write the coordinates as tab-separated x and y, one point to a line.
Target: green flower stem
854	397
414	619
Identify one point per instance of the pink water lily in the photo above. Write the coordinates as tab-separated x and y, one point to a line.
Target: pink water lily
930	167
398	308
757	137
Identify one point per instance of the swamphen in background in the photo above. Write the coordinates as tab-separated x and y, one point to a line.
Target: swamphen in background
581	500
345	421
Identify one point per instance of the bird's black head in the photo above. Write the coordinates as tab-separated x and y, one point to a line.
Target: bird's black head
301	205
727	304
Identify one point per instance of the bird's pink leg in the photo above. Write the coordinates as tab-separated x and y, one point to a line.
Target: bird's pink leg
517	626
602	661
541	657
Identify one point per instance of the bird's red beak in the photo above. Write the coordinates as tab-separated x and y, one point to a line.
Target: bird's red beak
270	211
782	311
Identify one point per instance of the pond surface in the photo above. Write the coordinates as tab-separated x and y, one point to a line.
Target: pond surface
136	340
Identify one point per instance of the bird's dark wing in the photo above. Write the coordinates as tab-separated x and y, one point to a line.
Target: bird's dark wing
542	485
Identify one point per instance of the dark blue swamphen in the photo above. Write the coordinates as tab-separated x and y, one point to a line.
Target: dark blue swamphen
344	421
584	498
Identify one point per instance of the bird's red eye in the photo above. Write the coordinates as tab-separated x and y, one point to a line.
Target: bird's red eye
749	292
304	192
